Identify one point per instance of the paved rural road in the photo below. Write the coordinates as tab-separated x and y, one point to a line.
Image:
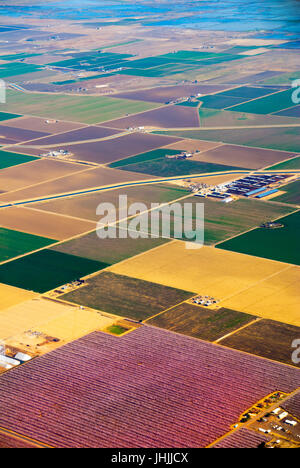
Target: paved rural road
143	182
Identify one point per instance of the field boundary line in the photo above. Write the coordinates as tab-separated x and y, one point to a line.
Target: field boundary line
48	180
169	308
223	142
288	266
253	229
258	319
255	99
80	142
18	436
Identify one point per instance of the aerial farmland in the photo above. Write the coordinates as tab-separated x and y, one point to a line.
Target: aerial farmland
149	226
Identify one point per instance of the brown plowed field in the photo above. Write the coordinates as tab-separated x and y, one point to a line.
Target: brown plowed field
40	170
266	338
39	125
107	151
168	93
241	156
10	134
165	117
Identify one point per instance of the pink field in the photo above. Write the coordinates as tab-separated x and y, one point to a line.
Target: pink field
293	405
7	441
243	438
150	388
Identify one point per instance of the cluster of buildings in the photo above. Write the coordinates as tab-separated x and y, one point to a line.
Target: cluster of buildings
257	186
182	155
192	98
56	154
253	186
218	192
206	301
10	359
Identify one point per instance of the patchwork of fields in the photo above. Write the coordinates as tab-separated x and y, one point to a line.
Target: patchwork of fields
244	283
83	109
129	297
134	340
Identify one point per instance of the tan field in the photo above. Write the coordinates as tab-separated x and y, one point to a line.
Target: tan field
9	296
48	319
41	125
241	282
18	177
90	178
255	42
49	225
194	145
261	50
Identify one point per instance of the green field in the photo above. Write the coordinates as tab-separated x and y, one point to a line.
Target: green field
116	330
228	118
143	157
164	167
7	116
93	60
268	104
17	56
279	138
219	101
85	109
288	165
8	159
46	270
109	251
292	194
247	92
224	220
127	297
200	322
280	244
188	104
17	68
15	243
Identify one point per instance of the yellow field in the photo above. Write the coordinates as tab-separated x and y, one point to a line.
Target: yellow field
48	319
10	296
257	286
275	298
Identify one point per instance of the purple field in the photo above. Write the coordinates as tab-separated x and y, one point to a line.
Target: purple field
106	151
163	94
150	388
166	117
293	405
82	134
10	135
